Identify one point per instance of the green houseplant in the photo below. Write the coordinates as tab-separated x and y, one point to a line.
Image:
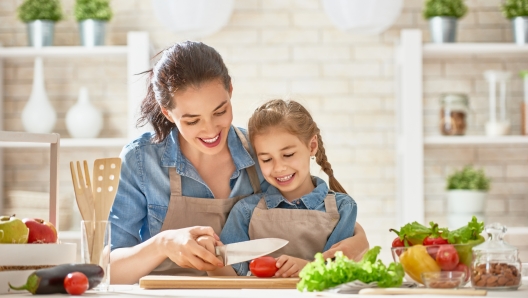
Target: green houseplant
517	12
40	17
92	16
443	16
466	194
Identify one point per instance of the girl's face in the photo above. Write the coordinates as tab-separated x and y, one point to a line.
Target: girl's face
285	161
203	116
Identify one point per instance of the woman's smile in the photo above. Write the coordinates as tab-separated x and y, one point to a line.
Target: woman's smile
211	142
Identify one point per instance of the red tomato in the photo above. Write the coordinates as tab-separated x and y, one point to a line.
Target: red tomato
398	243
462	267
447	257
76	283
434	241
263	266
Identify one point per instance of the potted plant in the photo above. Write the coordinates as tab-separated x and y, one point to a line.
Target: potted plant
443	16
466	195
92	16
40	17
517	12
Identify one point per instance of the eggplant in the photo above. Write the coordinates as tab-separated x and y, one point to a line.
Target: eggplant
51	280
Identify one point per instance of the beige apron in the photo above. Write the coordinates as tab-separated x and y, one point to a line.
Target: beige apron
307	230
184	212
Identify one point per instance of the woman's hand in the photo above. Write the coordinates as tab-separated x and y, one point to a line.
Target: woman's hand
182	248
354	247
289	266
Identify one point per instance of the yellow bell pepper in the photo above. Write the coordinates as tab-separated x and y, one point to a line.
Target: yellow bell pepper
416	260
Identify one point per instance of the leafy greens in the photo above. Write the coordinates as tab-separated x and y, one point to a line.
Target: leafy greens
320	275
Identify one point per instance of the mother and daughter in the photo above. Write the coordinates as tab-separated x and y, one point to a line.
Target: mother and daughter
196	177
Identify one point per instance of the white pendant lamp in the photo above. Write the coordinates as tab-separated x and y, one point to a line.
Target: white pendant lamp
365	17
193	18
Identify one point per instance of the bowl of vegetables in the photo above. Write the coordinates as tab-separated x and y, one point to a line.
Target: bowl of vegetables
420	249
419	259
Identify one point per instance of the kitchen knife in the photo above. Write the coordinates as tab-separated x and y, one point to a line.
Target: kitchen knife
248	250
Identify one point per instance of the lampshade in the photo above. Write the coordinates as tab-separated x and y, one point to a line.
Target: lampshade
194	18
367	17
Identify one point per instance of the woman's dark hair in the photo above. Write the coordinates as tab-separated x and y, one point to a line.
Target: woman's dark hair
292	117
183	65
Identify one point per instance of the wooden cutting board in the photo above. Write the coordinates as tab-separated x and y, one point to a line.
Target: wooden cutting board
219	282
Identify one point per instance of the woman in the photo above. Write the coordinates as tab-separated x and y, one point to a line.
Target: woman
180	182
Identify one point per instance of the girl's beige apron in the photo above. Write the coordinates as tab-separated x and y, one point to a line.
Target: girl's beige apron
307	230
184	212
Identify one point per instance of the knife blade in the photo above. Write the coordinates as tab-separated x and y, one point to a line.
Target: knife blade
248	250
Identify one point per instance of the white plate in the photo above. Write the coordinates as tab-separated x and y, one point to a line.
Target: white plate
354	287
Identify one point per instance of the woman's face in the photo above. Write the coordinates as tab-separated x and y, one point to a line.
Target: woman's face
285	161
203	116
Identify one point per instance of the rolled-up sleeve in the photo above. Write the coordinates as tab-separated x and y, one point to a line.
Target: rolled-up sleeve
129	210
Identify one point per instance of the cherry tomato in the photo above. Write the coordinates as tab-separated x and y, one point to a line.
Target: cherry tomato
263	266
397	242
447	257
76	283
434	241
462	267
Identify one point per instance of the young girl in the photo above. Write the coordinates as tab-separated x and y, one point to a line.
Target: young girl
296	206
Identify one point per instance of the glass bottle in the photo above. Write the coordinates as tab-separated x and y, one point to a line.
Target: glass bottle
453	114
496	265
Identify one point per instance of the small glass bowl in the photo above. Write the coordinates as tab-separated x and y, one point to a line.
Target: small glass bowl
444	279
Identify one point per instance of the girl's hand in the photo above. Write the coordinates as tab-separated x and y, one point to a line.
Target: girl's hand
289	266
182	248
354	247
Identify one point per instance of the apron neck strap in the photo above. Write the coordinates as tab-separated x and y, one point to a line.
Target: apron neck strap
330	203
251	171
175	182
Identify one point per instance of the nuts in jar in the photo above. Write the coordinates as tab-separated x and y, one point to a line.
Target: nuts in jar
453	114
496	275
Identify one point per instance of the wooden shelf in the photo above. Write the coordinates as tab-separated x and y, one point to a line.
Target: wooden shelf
63	51
475	140
72	143
472	49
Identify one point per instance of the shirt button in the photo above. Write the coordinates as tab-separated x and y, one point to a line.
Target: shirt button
298	202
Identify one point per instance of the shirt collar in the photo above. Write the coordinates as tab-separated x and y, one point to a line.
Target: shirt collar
273	197
173	157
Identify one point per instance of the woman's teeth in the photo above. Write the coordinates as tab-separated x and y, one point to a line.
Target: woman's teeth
211	140
285	178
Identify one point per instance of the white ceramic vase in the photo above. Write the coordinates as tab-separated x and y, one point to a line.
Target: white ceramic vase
83	119
463	204
38	116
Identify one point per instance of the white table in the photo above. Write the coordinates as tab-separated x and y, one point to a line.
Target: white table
128	291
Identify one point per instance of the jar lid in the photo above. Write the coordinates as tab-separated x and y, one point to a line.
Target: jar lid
495	242
455	98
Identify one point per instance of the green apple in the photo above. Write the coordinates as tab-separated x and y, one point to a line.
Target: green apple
13	230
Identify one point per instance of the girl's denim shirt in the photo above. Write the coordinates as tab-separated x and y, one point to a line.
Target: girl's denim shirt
143	195
237	225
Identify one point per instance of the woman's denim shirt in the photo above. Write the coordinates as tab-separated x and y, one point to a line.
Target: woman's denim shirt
237	225
143	195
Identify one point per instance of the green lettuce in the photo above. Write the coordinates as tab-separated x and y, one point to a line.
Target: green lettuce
320	274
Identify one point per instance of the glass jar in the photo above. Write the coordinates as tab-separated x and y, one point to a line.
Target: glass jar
496	265
453	114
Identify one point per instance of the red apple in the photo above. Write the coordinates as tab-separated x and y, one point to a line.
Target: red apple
40	231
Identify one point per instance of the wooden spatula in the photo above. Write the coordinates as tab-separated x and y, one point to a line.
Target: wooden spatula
105	182
84	197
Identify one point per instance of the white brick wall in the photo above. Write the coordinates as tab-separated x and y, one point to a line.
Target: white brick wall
289	48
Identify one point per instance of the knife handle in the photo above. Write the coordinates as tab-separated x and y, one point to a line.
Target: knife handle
220	251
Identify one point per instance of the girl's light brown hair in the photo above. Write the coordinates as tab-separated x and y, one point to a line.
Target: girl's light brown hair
183	65
296	120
